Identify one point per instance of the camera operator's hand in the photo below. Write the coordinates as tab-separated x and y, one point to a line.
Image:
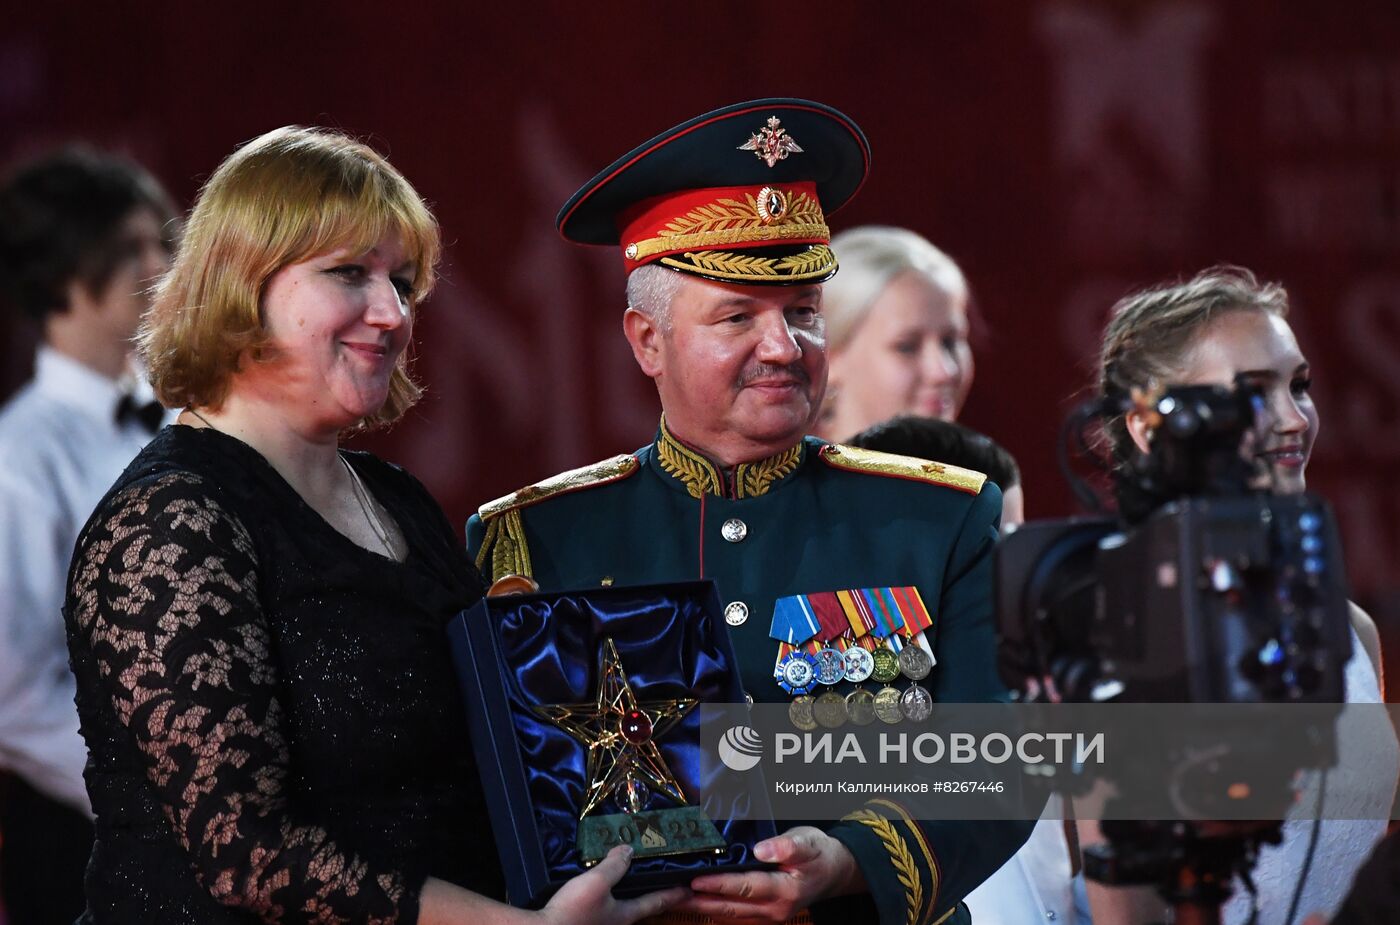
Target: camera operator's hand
1121	905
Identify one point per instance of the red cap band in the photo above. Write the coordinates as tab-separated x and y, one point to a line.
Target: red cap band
722	218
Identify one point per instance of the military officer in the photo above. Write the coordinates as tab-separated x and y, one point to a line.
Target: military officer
815	548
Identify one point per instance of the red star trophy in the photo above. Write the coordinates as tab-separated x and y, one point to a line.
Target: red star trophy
625	769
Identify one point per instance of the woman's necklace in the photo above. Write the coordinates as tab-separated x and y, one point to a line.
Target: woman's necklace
357	487
376	525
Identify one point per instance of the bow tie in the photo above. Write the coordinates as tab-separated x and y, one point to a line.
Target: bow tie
147	414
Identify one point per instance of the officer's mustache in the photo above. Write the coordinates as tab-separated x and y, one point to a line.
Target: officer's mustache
776	372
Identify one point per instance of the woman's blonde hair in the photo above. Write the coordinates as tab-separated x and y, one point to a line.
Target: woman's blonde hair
871	257
281	198
1149	333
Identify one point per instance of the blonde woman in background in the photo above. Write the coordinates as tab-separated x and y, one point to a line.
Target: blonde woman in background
897	331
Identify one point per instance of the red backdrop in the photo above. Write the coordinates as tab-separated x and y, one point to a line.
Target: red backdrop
1064	153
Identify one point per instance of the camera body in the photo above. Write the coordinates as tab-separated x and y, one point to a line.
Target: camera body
1248	590
1204	590
1238	599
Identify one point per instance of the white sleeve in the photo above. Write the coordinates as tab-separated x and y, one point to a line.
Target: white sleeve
39	737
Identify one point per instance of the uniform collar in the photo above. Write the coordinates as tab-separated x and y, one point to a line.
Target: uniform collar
699	476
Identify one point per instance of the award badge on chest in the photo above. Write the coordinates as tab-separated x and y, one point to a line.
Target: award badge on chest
830	643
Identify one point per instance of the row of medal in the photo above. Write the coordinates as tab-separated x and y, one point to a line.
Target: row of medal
800	673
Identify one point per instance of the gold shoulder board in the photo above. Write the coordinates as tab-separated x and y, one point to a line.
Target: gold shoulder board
599	473
856	459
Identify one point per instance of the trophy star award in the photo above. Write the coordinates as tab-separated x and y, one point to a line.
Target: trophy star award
625	768
577	755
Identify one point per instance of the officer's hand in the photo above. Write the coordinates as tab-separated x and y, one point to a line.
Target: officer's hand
811	866
588	898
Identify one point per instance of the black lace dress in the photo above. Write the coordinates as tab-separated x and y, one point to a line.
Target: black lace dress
274	729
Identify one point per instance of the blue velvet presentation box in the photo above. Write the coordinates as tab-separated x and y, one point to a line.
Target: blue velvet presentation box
518	652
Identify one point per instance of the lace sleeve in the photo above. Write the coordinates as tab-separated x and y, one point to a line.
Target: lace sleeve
164	592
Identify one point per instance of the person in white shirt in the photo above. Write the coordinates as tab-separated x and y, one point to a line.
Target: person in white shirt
83	236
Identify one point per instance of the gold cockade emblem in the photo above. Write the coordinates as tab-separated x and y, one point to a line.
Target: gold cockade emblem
771	205
771	143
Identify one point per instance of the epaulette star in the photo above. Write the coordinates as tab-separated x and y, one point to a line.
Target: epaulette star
855	459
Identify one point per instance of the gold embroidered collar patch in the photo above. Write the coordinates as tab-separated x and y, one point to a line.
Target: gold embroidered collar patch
702	477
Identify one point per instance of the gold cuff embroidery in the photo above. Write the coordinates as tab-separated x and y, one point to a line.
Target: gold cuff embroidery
906	870
929	857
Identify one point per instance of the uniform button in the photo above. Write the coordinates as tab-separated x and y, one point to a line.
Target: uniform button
736	613
734	530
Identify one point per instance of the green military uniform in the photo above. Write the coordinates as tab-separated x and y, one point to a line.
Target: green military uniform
818	517
740	196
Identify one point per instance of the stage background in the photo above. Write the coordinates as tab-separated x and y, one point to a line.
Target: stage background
1063	153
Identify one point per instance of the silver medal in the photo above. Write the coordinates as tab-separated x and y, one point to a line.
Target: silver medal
858	665
914	662
798	672
916	704
830	666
